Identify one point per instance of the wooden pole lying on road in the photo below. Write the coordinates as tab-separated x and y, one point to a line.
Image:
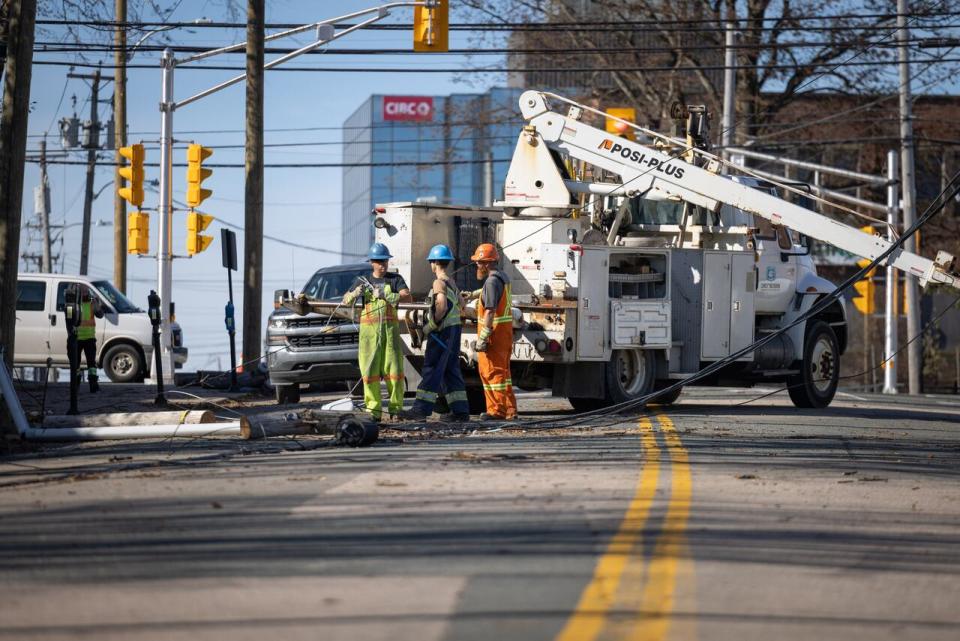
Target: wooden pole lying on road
350	429
192	417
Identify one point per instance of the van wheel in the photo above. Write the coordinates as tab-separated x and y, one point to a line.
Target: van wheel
630	374
287	394
819	375
123	364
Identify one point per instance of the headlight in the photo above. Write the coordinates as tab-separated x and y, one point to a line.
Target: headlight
278	323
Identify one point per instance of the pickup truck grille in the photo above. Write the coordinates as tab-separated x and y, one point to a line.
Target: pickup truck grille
325	340
319	323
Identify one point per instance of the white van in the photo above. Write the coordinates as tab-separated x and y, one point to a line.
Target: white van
124	334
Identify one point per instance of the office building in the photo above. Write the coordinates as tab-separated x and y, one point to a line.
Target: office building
446	149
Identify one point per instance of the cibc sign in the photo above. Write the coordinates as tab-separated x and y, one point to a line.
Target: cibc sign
415	108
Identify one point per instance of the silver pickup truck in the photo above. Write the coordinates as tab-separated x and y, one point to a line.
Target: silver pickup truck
313	348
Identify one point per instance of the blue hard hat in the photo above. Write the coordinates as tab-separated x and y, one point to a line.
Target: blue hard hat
378	251
440	252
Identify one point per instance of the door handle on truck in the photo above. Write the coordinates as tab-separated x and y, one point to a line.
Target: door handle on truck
53	319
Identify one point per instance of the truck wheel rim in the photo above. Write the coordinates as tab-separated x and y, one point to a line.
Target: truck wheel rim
822	365
631	370
122	364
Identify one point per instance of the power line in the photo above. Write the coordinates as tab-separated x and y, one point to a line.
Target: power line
501	70
415	163
618	25
84	47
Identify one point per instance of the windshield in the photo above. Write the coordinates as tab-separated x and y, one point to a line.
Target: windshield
332	285
120	302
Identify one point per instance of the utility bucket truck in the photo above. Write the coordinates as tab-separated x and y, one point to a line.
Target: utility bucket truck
636	265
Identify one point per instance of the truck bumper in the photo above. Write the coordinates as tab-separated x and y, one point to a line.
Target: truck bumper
288	366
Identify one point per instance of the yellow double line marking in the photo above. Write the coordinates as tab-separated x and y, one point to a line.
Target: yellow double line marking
622	564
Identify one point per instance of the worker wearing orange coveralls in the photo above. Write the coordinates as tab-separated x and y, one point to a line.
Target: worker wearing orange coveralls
494	335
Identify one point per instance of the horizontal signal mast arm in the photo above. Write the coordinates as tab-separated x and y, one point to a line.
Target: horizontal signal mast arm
644	168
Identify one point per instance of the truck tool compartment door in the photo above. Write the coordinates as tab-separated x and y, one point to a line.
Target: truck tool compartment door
729	288
592	310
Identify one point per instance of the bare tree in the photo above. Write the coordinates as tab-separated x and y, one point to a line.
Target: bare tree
649	53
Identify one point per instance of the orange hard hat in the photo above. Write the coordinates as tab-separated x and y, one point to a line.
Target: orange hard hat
485	253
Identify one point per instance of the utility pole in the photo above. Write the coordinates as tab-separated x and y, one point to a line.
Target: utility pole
44	210
909	196
94	143
119	141
729	83
18	67
253	194
891	317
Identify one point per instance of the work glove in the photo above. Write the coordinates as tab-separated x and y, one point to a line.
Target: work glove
483	339
387	293
351	296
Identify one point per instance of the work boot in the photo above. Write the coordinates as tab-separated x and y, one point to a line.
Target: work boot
94	385
413	415
491	417
455	418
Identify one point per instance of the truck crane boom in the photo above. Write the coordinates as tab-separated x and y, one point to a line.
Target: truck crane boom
535	180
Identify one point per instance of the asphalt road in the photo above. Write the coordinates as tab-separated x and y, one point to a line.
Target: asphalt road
705	520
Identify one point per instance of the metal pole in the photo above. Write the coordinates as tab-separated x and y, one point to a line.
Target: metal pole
890	312
164	257
120	140
909	191
94	142
729	85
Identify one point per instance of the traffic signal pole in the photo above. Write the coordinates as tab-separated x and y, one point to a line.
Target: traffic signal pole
164	253
326	32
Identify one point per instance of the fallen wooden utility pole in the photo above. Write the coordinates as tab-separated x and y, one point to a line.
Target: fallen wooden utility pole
193	417
348	429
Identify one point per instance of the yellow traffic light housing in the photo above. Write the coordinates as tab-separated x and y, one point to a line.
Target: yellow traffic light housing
431	27
132	174
613	126
196	241
138	233
196	174
866	289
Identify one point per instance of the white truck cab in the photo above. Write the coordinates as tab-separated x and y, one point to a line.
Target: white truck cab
124	334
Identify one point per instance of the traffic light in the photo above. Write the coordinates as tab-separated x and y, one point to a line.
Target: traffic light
617	127
138	233
133	174
196	241
866	289
196	174
431	27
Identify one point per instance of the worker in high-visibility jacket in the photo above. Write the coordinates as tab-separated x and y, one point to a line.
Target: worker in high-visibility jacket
90	311
381	351
441	373
494	335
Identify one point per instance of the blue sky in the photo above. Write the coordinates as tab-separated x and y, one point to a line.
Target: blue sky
300	204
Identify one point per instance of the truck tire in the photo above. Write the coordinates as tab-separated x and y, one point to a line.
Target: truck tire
630	374
287	394
667	399
816	383
587	404
123	364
